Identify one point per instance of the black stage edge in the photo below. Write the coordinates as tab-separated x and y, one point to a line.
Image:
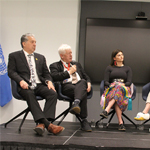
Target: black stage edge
73	138
27	146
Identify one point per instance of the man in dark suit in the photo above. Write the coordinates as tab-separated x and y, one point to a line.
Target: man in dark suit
30	71
75	83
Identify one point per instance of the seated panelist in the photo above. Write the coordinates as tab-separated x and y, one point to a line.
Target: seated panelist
75	83
117	79
144	115
30	71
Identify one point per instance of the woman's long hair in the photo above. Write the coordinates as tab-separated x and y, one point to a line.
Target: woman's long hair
114	53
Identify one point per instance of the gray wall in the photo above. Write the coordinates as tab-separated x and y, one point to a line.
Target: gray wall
117	10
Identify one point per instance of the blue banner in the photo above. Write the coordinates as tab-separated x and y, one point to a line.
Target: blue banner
5	88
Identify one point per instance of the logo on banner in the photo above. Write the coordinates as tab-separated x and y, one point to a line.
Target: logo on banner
3	68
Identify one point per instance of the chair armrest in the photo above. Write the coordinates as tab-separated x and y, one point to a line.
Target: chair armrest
90	94
102	88
14	88
60	96
134	92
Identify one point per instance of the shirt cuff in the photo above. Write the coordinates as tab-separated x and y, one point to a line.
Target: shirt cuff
46	82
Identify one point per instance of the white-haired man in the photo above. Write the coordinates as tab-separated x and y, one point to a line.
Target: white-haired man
75	83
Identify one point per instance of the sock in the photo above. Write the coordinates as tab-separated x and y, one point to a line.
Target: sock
82	119
77	101
50	119
45	122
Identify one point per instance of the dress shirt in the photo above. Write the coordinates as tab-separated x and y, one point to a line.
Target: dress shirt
65	69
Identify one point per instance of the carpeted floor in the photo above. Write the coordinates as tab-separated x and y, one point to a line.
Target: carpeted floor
73	138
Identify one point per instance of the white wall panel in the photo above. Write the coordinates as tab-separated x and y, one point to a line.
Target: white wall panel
53	22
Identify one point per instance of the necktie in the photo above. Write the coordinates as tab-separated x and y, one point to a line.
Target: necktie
74	78
32	74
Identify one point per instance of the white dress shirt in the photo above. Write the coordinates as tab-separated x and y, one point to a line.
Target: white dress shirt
65	69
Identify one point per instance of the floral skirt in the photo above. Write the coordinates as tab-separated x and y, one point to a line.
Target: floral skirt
120	94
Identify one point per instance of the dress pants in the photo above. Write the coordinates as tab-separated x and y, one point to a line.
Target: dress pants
77	91
50	105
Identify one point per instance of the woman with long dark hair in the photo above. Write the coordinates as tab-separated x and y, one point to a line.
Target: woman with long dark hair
117	79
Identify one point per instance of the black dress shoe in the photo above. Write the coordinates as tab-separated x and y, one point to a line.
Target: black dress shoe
75	109
121	127
85	126
104	114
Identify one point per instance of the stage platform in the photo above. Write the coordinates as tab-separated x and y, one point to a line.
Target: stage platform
72	138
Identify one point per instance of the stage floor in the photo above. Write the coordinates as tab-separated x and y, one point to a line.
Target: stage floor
72	135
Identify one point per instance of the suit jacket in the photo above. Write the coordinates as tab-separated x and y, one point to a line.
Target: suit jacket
58	73
18	68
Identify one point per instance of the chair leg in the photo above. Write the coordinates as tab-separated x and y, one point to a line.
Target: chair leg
145	122
104	118
64	114
24	111
78	118
23	120
129	120
113	113
99	120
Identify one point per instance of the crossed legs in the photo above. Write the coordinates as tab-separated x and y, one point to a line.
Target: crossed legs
40	116
117	109
78	92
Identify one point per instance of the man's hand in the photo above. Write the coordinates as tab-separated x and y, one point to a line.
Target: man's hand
73	69
24	85
88	87
51	86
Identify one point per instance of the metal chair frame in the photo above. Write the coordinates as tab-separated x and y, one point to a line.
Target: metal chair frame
65	98
25	111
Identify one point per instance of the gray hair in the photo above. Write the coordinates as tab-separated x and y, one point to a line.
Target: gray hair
24	38
62	49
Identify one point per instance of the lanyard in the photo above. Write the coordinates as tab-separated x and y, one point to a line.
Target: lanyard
66	66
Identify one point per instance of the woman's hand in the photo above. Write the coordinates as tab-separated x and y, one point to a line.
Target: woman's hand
88	87
112	84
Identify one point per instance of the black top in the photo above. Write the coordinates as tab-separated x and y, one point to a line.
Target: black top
115	72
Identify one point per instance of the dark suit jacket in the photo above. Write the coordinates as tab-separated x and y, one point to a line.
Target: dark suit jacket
58	73
18	68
